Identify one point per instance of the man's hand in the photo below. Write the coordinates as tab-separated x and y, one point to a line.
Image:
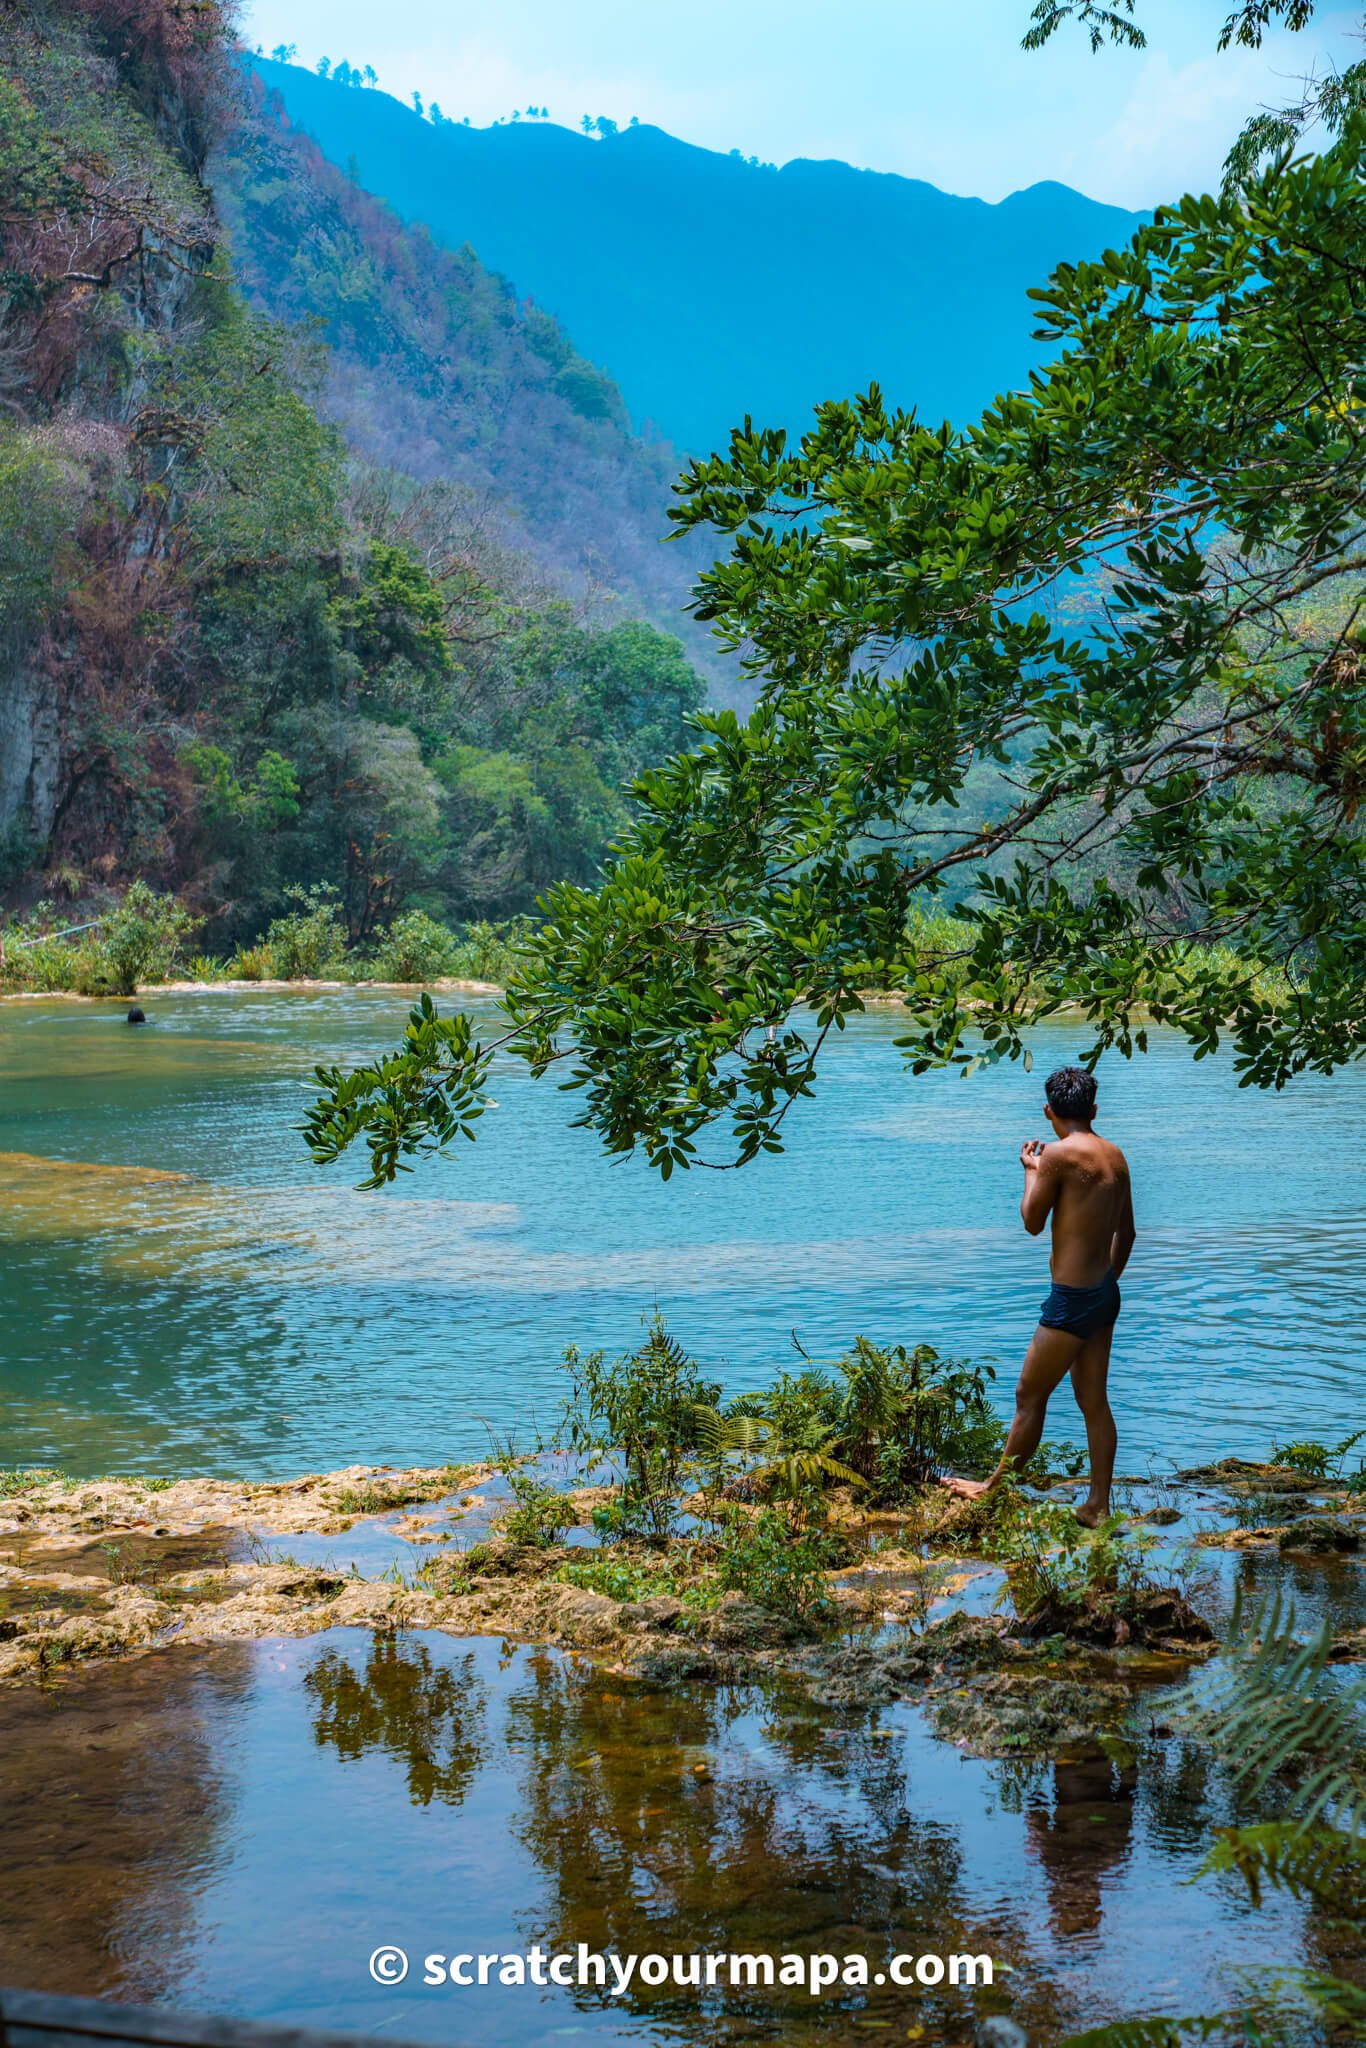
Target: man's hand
1040	1184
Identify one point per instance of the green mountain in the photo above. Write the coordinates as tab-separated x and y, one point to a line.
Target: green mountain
327	558
711	287
434	368
240	658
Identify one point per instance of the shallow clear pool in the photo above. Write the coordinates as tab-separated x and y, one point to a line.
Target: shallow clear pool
237	1831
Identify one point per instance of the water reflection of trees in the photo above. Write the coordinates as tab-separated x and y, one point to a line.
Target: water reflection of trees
1321	1587
429	1716
713	1821
113	1809
1190	1798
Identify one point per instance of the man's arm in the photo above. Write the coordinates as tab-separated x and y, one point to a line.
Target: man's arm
1041	1185
1122	1243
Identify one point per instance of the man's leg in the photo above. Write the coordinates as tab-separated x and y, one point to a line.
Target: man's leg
1051	1354
1090	1376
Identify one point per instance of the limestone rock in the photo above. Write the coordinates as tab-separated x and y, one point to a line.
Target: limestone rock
1318	1532
745	1625
660	1611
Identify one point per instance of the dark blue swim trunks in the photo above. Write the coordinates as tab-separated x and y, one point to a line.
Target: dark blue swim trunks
1081	1311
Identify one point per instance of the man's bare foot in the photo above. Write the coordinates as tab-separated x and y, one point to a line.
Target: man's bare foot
1090	1516
967	1489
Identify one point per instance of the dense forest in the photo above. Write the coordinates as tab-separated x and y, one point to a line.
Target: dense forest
241	654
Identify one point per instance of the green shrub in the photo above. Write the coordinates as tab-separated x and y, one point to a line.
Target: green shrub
906	1416
775	1565
622	1578
641	1408
489	952
139	940
1052	1561
311	940
538	1516
252	963
204	967
414	948
893	1419
37	959
142	938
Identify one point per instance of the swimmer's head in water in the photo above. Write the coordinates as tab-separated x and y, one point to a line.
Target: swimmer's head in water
1071	1094
135	1016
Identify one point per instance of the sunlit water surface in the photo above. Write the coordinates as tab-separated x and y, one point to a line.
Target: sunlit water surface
185	1291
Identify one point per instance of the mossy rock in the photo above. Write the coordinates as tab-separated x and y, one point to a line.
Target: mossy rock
304	1583
1321	1533
973	1642
1160	1618
1025	1713
742	1624
660	1611
675	1663
1245	1475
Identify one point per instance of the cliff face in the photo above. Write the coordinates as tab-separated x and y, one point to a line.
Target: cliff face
107	111
30	749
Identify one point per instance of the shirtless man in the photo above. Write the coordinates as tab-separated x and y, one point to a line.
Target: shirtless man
1083	1183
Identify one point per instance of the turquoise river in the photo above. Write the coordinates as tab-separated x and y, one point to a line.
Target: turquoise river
185	1291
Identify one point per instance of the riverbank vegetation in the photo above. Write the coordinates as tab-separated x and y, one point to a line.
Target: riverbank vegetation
147	939
772	1495
145	936
797	1540
837	1465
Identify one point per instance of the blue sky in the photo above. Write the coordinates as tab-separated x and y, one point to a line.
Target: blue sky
935	89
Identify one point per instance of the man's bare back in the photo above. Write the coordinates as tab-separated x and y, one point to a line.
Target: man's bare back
1082	1183
1083	1180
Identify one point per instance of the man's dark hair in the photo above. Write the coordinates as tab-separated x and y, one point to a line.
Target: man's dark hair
1071	1094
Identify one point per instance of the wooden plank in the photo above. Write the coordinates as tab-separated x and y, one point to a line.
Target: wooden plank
33	2019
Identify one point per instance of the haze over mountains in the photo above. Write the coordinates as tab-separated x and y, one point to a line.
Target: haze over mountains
709	287
433	369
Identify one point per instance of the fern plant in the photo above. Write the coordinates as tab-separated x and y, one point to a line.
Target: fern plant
1274	1712
641	1409
1316	1460
1279	1722
1154	2033
890	1417
791	1469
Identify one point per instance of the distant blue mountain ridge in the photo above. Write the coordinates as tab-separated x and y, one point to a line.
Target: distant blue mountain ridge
710	288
